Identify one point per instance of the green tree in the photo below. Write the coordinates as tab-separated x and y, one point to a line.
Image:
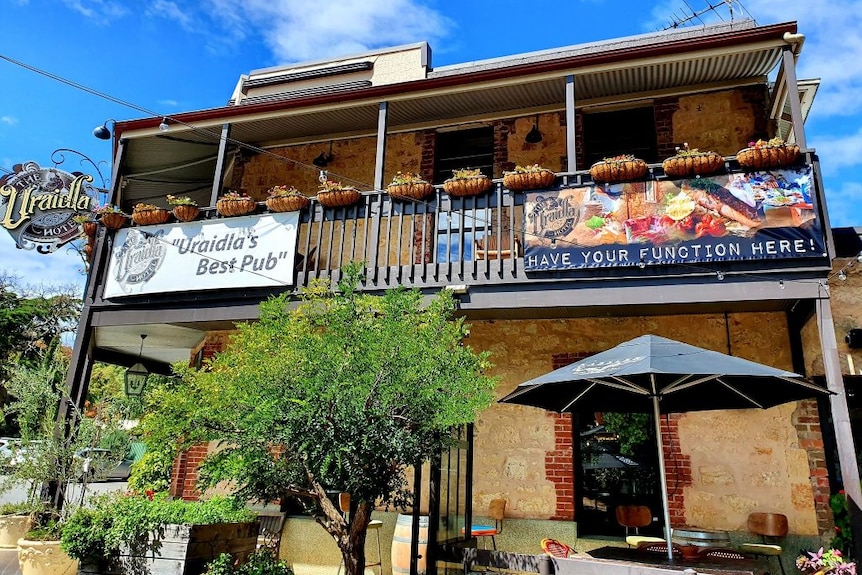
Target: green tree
340	394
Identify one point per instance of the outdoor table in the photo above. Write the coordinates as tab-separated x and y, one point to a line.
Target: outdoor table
700	537
710	565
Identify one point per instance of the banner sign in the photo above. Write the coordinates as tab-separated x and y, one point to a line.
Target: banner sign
229	253
753	216
38	205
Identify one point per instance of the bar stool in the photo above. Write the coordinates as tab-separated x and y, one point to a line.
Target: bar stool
373	525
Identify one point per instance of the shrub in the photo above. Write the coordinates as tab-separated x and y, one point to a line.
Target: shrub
259	563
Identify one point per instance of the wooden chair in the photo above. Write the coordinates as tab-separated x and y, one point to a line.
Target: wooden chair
555	548
496	511
771	527
486	248
632	518
270	525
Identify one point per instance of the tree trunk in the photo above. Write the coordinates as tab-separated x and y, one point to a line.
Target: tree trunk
349	534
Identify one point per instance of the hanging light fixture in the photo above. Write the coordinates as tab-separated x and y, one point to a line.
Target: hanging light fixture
323	159
163	126
103	132
136	376
534	136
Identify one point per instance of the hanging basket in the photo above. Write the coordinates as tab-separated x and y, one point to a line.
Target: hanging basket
410	190
114	220
228	206
186	212
291	203
701	164
339	197
150	217
766	157
613	171
466	187
520	181
90	228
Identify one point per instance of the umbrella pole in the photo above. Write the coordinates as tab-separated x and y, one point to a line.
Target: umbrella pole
661	474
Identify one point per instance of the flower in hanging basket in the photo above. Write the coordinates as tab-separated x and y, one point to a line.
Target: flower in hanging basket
409	186
111	216
149	214
334	194
692	162
286	199
184	209
533	177
765	154
87	223
467	182
822	562
620	168
235	204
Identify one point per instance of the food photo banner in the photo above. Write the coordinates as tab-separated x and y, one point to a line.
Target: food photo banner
738	217
242	252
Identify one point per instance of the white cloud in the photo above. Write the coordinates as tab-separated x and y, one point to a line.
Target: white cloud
843	204
294	31
8	120
171	103
102	11
170	11
838	152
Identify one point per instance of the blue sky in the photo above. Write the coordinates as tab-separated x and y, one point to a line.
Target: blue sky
170	56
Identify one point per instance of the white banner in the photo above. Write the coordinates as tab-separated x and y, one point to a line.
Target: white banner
229	253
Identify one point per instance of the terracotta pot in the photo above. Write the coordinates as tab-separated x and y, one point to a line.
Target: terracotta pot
114	220
150	217
464	187
410	191
618	170
186	212
44	558
693	165
90	227
338	198
529	180
235	206
768	156
292	203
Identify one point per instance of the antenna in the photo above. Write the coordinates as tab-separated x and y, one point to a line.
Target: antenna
688	14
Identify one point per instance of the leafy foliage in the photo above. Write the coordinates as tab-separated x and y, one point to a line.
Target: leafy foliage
843	539
344	393
259	563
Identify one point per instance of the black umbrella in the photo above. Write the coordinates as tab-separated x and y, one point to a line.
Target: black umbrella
656	374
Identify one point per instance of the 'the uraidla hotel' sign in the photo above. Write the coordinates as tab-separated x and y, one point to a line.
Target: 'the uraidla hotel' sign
37	205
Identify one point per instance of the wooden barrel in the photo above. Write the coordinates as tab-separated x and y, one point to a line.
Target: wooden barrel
402	542
701	537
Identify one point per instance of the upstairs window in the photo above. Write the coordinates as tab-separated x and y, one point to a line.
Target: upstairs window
608	134
472	148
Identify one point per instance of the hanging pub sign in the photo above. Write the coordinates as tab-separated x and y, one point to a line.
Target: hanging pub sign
38	205
230	253
753	216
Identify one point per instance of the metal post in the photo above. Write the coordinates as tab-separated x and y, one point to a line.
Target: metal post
220	162
661	468
380	159
571	162
792	90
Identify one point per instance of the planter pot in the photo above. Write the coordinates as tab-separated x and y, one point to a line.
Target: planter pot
292	203
179	550
186	213
410	191
529	180
339	198
90	228
150	217
114	220
13	528
44	558
465	187
235	206
693	165
612	171
768	156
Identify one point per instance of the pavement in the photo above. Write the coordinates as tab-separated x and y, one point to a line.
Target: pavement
9	562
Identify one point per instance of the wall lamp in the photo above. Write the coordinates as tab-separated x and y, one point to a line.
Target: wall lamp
323	159
534	136
136	376
102	132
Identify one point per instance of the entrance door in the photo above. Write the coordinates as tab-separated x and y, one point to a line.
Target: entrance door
616	464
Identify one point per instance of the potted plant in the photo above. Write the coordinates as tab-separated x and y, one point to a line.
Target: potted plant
830	562
334	194
765	154
111	216
16	519
286	199
409	186
467	182
259	563
184	209
133	533
87	223
149	214
620	168
533	177
690	162
235	204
